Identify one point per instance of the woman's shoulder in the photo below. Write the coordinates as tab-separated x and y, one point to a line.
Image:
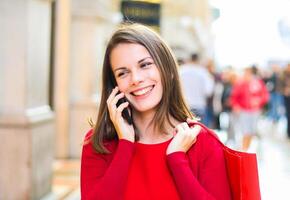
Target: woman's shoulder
207	148
208	141
208	136
88	144
88	135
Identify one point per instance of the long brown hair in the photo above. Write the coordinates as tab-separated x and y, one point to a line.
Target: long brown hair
172	102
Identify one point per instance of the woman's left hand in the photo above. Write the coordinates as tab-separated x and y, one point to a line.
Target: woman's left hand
184	138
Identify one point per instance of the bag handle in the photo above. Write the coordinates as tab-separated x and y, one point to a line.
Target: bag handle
208	130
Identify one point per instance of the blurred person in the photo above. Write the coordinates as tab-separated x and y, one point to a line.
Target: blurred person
274	86
248	96
197	84
144	148
286	94
229	79
214	106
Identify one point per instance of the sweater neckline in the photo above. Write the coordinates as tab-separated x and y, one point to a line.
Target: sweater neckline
155	144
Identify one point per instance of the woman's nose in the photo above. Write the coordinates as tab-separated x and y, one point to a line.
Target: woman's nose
137	77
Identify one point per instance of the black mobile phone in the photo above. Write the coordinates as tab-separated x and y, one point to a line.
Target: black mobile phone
125	113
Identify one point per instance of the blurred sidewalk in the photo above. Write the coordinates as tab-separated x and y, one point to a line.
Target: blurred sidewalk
273	153
66	179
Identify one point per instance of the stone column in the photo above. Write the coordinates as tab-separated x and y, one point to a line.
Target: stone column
26	120
61	76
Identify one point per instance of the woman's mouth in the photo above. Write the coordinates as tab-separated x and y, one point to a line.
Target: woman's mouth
143	91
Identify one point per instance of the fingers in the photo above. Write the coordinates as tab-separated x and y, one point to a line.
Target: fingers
121	108
190	121
117	98
184	139
183	128
196	130
112	95
112	100
196	127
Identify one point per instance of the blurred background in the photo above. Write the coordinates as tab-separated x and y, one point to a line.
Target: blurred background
50	68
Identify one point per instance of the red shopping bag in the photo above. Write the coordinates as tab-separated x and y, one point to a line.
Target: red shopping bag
242	170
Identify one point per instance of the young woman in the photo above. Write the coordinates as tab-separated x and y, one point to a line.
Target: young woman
152	151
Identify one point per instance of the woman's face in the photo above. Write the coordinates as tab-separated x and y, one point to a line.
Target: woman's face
137	76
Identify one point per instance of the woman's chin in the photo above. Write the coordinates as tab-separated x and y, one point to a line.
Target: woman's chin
143	109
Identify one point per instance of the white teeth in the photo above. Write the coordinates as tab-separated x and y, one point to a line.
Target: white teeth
143	91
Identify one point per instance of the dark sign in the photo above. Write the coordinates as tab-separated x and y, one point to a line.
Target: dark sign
142	12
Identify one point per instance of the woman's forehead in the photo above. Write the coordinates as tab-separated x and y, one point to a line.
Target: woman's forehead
128	53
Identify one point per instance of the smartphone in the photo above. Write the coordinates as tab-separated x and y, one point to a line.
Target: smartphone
125	113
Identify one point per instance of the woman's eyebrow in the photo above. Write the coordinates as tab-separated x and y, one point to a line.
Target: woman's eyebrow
143	59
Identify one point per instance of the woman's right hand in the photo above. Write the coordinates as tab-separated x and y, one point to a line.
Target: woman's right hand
124	130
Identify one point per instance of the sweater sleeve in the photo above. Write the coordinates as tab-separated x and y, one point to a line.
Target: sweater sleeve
212	182
102	179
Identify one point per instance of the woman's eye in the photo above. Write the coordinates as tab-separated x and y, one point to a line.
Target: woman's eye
121	74
147	64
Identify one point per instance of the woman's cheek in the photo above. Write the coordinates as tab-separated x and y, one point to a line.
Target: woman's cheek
123	86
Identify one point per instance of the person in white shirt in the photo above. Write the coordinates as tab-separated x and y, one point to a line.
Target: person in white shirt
197	84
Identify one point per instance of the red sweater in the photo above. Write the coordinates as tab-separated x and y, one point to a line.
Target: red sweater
142	171
249	95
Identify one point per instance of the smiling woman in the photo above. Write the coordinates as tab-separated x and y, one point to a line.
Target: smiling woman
159	155
139	78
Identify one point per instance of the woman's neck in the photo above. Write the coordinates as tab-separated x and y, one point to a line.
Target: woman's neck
146	130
